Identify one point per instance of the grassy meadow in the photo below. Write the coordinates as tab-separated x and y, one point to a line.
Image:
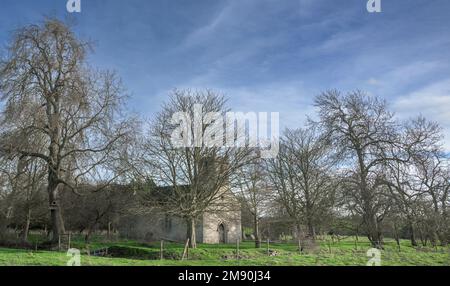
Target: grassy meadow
327	253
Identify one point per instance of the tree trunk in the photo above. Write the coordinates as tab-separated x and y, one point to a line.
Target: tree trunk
256	233
434	237
396	236
309	218
311	229
373	233
442	238
191	233
299	235
413	234
421	236
55	210
87	236
369	215
26	227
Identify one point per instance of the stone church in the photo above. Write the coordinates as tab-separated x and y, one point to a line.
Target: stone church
221	224
218	226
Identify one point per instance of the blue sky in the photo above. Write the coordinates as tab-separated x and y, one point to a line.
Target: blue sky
265	55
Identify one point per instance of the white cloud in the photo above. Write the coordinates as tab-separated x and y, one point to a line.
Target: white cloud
290	98
373	81
415	69
432	101
340	40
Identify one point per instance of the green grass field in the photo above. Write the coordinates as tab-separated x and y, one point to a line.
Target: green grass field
132	253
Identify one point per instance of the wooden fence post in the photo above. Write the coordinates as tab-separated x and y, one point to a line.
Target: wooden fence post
237	249
59	242
186	250
268	247
162	250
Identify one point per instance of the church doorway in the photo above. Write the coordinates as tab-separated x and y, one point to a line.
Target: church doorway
222	234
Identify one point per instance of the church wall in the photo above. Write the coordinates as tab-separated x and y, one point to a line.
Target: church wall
231	221
155	227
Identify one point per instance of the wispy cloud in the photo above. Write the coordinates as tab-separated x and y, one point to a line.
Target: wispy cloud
432	101
267	55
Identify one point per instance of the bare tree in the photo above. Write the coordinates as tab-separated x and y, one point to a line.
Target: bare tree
49	92
405	198
302	177
256	193
8	174
417	137
23	184
196	177
365	130
431	178
99	207
31	179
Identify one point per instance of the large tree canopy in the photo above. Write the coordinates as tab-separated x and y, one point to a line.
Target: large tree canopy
58	109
